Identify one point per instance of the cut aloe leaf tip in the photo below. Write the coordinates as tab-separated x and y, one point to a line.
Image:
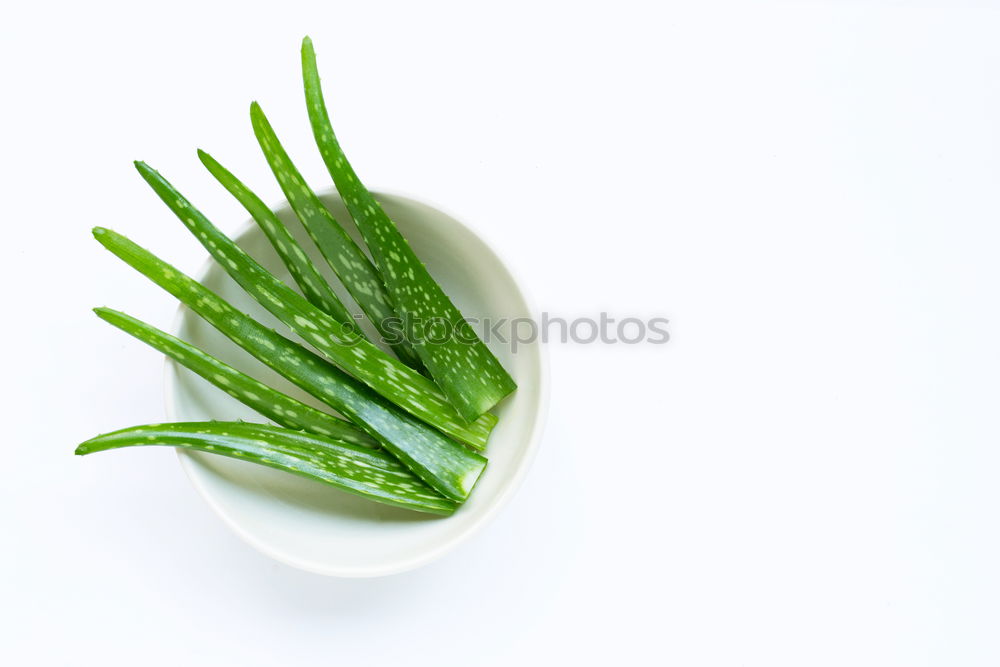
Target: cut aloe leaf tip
469	374
364	472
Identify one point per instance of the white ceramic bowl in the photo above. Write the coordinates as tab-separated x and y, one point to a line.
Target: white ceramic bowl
318	528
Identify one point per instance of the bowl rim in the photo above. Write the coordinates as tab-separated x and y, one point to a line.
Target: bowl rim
170	369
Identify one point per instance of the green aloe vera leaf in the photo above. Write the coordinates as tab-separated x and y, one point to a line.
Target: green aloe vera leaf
469	374
357	356
450	468
343	255
276	406
304	272
372	474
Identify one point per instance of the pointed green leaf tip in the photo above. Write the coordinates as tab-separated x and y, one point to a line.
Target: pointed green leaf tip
463	367
375	475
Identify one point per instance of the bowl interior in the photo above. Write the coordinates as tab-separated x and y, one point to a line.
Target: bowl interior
313	526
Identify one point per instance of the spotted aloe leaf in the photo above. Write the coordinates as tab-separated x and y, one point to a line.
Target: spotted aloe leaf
280	408
304	272
388	376
369	473
343	255
469	374
450	468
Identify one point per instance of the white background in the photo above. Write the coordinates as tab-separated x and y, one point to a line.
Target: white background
805	475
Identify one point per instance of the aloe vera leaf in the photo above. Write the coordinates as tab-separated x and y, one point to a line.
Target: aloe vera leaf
276	406
450	468
469	374
388	376
372	474
343	255
304	272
